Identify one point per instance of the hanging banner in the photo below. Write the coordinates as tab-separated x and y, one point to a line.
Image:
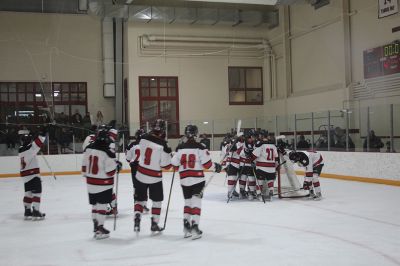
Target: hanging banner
387	8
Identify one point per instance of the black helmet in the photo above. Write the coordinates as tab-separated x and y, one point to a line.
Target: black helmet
102	137
139	133
26	139
299	157
158	126
191	131
263	133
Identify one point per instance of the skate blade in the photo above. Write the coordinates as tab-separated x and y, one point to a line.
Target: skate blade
28	218
155	233
37	218
101	236
317	199
187	235
194	237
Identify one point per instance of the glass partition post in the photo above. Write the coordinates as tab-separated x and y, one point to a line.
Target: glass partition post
391	129
276	125
368	128
212	135
73	143
329	130
295	132
347	129
255	123
48	144
147	126
312	130
166	129
123	142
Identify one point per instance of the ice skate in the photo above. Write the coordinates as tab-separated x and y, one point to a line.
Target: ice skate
252	195
37	215
28	214
269	195
233	194
136	226
101	233
243	194
196	232
317	196
311	195
187	229
155	229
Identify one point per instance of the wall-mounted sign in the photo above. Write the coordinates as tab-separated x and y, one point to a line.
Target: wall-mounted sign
387	8
382	61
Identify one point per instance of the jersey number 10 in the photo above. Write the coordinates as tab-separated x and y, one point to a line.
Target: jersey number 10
93	165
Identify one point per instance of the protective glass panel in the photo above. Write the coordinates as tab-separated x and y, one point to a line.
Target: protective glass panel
396	128
321	131
338	126
303	131
379	133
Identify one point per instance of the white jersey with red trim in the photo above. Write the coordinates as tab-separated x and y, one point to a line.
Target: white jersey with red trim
233	157
154	155
132	152
314	159
88	140
191	158
28	156
244	159
99	167
265	156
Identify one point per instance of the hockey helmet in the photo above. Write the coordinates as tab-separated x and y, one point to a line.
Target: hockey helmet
299	157
102	137
26	139
139	133
191	131
263	133
158	126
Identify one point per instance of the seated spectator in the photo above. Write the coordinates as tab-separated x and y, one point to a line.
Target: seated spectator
375	143
340	139
302	144
205	141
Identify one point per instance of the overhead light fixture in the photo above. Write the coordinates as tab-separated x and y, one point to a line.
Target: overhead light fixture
128	2
205	122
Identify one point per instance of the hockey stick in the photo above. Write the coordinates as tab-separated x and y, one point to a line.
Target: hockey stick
48	165
116	197
169	199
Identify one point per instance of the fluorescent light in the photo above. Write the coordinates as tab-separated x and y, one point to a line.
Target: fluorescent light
205	122
128	2
38	95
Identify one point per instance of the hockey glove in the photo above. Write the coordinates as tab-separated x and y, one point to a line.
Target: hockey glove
119	166
217	167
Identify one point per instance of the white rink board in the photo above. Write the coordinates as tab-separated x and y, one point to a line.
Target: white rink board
356	224
370	165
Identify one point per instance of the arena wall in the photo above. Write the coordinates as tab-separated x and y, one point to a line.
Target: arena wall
380	168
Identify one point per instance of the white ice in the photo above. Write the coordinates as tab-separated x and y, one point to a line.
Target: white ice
355	224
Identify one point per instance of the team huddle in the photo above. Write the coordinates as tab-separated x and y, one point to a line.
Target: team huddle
251	161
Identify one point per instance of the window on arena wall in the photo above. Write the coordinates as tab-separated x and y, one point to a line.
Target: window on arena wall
245	85
35	102
159	99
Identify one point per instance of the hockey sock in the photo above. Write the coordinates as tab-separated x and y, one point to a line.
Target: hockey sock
114	201
28	200
242	182
139	207
94	212
101	213
316	184
36	200
307	183
231	183
187	210
270	184
252	183
260	186
196	209
156	211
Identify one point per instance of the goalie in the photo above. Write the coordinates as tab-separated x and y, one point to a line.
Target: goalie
313	162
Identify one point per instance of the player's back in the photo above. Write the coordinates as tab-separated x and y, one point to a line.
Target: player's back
267	155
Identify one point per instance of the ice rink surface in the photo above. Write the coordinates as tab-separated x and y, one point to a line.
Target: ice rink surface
355	224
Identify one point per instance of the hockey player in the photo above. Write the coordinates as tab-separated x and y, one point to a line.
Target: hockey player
90	138
30	174
132	157
265	156
313	162
247	167
190	159
99	167
232	155
154	156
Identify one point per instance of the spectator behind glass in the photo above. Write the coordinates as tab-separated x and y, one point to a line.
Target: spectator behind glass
375	143
76	118
99	118
87	122
340	139
205	141
302	144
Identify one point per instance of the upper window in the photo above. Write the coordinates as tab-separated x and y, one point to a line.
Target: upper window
245	85
159	99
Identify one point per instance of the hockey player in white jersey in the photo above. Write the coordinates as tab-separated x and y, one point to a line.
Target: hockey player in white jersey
266	157
191	158
155	155
30	173
232	157
132	157
312	162
246	167
99	167
89	138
